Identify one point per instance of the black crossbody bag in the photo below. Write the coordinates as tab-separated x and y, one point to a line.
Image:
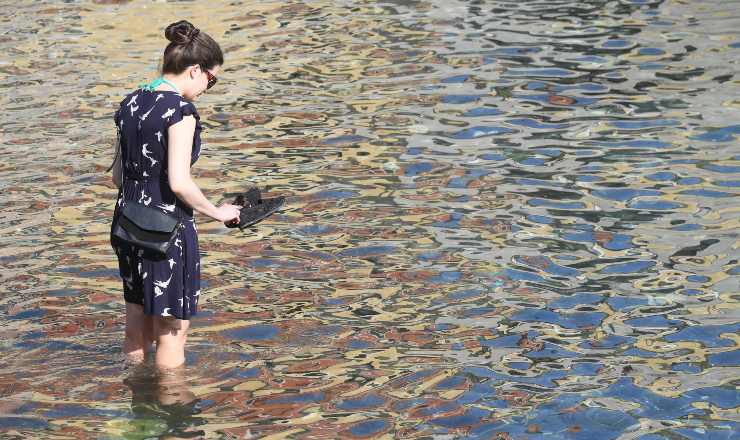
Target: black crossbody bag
143	226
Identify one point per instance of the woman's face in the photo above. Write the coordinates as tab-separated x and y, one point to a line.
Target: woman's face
199	78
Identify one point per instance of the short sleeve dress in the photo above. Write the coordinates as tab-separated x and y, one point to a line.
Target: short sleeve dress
168	286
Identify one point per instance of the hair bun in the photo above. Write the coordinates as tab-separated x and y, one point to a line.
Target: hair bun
182	32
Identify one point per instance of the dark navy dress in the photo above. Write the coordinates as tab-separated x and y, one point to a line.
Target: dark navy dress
167	286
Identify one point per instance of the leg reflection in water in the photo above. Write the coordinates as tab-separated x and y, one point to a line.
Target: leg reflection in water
162	402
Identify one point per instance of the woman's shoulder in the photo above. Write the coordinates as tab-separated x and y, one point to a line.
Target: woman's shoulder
128	100
175	107
175	101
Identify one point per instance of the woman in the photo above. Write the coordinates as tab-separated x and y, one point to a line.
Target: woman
160	140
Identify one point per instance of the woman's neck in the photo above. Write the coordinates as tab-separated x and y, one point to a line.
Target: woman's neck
176	80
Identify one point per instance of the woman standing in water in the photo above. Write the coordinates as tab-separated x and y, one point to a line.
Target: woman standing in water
160	141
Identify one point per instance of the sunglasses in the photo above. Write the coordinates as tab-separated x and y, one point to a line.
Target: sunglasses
211	78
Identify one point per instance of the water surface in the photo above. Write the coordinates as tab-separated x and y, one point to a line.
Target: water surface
505	220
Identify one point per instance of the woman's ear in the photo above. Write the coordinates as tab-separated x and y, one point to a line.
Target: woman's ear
194	71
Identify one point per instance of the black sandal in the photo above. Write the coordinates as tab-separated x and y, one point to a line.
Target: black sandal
255	208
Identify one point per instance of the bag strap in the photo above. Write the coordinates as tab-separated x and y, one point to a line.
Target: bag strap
118	153
120	150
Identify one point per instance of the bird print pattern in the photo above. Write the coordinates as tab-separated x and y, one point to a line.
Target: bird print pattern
166	286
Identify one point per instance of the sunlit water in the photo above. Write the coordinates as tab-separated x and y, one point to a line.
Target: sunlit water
504	220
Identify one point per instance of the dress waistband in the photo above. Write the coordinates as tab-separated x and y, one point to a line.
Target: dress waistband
140	178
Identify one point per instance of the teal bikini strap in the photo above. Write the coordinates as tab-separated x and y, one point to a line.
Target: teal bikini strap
152	86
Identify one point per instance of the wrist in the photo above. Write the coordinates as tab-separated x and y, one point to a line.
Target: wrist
213	212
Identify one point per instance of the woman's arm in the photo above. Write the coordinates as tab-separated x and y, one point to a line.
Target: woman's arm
179	150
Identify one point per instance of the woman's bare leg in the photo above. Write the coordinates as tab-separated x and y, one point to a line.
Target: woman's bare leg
176	398
149	337
173	386
171	335
138	333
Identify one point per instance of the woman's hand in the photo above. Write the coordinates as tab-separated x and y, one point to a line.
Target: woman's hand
228	213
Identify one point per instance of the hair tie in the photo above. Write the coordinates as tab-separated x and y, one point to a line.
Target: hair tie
194	34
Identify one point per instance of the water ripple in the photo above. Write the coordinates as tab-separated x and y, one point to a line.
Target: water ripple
505	220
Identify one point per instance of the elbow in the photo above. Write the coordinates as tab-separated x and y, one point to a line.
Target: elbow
178	186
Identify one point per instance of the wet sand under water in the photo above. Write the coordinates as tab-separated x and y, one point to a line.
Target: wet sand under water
505	220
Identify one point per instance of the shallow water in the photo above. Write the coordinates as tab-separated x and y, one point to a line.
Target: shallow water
505	220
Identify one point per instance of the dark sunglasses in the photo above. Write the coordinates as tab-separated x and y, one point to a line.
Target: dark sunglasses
212	80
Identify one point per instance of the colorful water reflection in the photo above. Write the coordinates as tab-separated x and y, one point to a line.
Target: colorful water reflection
505	220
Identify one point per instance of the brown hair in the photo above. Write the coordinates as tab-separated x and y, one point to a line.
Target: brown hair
188	46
